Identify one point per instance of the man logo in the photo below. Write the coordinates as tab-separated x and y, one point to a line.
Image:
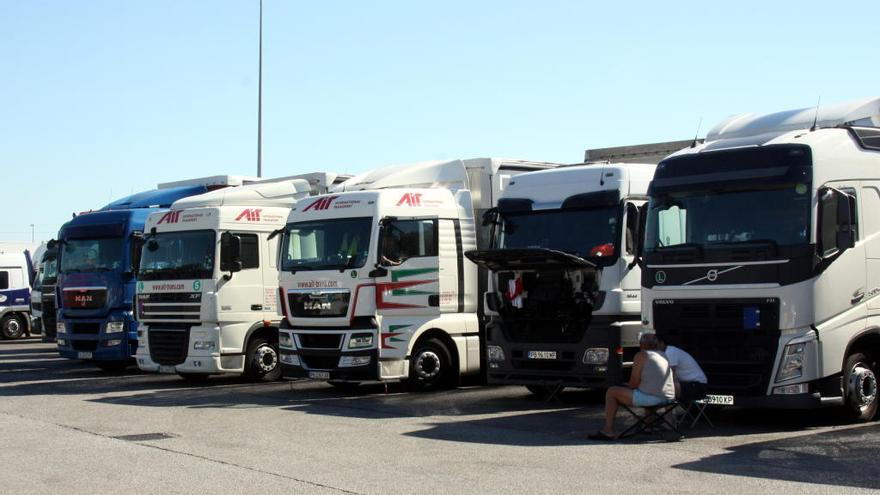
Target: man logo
321	204
411	199
660	277
170	217
249	215
712	275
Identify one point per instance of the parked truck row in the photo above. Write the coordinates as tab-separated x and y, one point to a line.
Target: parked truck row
753	249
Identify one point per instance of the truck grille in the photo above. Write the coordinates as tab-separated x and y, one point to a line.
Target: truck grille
84	345
320	362
734	341
319	341
319	304
169	306
85	297
85	328
169	345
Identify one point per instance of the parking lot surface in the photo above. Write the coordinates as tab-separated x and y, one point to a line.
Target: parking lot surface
65	425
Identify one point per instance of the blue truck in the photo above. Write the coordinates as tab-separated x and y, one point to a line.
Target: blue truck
98	255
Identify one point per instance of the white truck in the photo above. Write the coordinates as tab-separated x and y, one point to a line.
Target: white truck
374	282
762	257
564	297
17	273
207	282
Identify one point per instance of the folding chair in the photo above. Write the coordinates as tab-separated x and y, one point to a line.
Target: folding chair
693	411
653	418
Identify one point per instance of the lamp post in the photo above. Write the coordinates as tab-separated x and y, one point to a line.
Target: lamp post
32	232
260	100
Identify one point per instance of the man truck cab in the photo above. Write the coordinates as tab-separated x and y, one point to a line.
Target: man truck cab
208	278
374	282
98	257
762	257
564	302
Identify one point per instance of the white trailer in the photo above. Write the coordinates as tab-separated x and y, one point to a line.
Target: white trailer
762	257
374	282
207	283
565	292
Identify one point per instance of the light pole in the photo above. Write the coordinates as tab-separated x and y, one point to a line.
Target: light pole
32	232
260	101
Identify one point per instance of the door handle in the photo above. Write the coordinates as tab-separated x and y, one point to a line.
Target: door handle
434	300
857	297
256	307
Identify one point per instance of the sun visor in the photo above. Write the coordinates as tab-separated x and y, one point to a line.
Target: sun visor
527	259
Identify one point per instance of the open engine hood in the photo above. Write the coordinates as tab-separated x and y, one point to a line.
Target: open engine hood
528	259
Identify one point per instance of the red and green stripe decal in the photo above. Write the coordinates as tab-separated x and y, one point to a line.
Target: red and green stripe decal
398	287
392	336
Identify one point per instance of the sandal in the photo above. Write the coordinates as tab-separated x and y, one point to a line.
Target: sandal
601	436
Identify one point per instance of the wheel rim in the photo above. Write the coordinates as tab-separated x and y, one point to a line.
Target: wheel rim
13	328
266	358
862	385
428	365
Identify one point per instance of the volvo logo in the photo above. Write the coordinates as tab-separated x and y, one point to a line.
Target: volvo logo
712	275
660	277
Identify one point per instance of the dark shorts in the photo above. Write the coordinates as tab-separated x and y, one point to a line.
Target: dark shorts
692	391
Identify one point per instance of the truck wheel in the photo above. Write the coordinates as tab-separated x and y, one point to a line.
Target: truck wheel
261	363
860	390
11	327
111	365
430	365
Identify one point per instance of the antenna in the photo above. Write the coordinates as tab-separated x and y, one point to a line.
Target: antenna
697	134
816	117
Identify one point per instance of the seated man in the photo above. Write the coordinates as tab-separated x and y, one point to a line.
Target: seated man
690	381
650	384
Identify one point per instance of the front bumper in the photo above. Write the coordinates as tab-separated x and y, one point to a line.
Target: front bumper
368	372
321	353
96	346
187	359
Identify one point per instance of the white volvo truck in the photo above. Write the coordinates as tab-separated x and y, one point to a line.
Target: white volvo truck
207	283
564	297
762	257
374	282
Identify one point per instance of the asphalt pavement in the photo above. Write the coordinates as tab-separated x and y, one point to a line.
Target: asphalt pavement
68	427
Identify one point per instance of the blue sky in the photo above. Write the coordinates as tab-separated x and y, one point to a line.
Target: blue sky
102	98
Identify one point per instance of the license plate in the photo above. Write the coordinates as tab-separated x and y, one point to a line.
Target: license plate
84	355
167	369
541	355
319	375
719	400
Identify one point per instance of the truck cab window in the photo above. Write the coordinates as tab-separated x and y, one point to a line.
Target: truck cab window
4	279
250	251
672	226
404	239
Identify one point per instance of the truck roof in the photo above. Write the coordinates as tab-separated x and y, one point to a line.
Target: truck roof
549	188
212	181
155	198
282	193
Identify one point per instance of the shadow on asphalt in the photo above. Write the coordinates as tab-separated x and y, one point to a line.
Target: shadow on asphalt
839	458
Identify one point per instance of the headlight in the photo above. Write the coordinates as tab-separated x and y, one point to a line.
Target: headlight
495	353
62	343
596	355
349	361
792	365
285	340
204	345
2	298
114	327
60	328
291	359
360	340
112	343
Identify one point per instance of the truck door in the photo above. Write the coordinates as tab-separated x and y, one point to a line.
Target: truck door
409	257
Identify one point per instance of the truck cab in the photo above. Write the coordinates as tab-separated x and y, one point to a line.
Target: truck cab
207	282
16	275
374	282
98	256
564	299
760	257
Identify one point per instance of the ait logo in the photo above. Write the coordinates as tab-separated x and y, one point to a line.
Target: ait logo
410	199
320	204
249	215
170	217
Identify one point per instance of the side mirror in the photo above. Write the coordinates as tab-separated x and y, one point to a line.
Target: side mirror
137	245
837	227
490	216
275	233
639	247
52	244
230	254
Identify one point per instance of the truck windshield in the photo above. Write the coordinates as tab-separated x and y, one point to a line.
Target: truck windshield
91	255
326	244
48	273
777	215
178	255
589	233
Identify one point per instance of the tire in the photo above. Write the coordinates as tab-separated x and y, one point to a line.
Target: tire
261	361
430	366
12	327
195	377
860	387
112	366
